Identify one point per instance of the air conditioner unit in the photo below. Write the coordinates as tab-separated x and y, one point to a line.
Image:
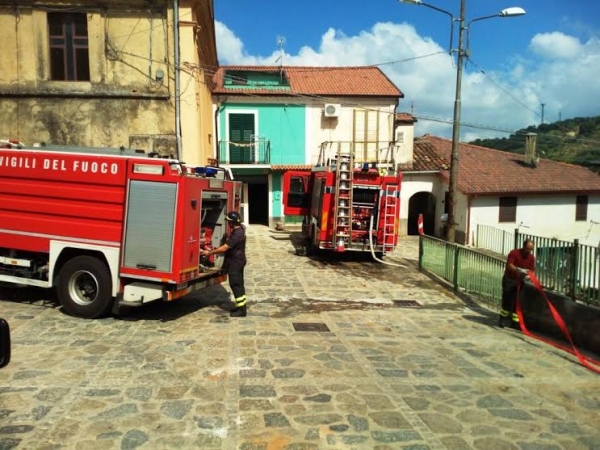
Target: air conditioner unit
332	110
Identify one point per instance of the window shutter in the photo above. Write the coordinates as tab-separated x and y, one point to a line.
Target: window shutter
241	127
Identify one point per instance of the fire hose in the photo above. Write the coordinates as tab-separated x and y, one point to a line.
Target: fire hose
373	250
572	349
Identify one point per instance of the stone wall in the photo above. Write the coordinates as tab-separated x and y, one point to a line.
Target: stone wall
582	321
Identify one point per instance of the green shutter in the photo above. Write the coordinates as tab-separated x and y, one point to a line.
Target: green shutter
241	127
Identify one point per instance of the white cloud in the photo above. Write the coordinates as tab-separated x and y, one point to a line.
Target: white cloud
556	45
230	47
507	100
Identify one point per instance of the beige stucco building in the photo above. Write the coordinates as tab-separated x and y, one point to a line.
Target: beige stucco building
105	74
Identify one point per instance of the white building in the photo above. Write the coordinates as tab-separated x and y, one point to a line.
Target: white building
502	190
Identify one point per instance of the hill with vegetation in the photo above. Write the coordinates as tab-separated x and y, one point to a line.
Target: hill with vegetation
574	141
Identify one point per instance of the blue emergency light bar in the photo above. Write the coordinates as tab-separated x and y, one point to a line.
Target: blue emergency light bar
206	171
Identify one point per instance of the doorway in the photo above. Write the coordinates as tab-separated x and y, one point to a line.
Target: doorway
421	203
258	199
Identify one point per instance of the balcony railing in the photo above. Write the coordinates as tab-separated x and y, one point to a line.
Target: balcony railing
245	152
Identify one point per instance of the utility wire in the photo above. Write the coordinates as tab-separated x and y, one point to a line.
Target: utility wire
502	89
211	70
408	59
418	116
214	69
521	132
482	127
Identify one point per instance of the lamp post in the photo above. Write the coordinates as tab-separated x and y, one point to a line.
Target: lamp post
461	52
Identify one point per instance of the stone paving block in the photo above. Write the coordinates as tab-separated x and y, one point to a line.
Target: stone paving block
186	375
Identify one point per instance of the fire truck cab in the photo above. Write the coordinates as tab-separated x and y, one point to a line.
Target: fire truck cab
109	227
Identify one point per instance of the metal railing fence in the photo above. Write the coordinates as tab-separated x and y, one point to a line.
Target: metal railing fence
495	239
570	268
466	268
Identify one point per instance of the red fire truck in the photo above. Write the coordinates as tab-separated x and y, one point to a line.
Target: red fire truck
346	205
109	227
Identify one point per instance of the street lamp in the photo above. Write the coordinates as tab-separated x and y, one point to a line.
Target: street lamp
461	53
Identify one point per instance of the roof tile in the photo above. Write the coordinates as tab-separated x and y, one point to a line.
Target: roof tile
483	171
403	117
335	81
425	159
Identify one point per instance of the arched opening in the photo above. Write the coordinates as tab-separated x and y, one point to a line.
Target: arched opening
421	203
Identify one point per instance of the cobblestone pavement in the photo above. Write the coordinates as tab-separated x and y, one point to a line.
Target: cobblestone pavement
185	375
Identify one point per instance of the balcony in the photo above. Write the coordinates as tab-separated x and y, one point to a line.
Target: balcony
245	152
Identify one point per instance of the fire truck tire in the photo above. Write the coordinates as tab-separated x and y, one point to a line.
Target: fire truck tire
84	287
314	249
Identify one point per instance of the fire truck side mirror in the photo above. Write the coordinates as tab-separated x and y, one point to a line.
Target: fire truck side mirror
4	343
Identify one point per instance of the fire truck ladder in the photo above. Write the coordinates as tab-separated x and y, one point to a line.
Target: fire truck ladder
342	233
391	202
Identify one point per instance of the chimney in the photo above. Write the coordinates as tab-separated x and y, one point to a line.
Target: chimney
531	157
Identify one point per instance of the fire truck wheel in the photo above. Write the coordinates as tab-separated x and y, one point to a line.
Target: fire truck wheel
84	287
314	249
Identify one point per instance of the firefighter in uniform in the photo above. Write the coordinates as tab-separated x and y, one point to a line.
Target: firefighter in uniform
235	261
519	263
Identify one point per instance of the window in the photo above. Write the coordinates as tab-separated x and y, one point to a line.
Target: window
366	135
581	208
399	137
297	195
69	55
241	139
508	209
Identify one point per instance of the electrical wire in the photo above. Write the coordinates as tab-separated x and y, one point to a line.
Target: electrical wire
418	116
421	117
520	132
212	70
502	89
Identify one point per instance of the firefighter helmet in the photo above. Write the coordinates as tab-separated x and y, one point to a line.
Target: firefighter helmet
234	217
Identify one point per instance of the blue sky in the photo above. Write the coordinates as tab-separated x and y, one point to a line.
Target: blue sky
550	55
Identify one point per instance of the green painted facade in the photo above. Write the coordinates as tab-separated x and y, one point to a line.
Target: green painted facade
282	126
241	79
277	194
255	136
280	129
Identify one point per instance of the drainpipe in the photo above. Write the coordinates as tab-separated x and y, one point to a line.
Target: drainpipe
395	157
394	121
177	78
468	237
217	146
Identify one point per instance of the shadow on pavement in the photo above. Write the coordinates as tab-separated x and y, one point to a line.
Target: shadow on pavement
29	294
154	311
490	319
167	311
